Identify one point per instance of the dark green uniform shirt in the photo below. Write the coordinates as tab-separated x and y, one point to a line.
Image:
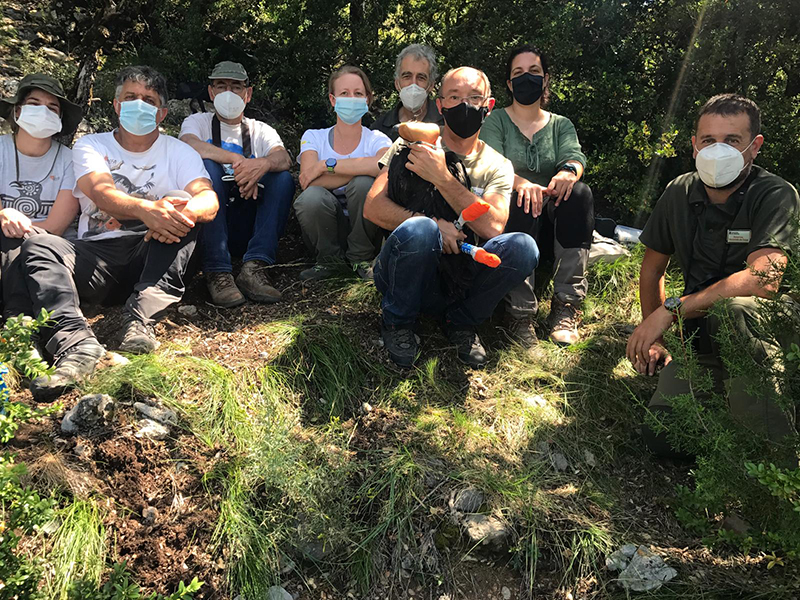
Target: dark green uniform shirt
390	118
712	241
540	158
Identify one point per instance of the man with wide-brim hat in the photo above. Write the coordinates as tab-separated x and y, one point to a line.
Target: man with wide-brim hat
36	177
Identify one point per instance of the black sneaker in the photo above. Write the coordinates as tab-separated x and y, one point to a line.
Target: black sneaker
75	364
137	338
468	344
401	344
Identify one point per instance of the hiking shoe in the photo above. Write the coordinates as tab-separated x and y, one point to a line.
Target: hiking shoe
522	331
468	344
223	291
75	364
363	270
563	322
318	272
255	283
401	344
137	338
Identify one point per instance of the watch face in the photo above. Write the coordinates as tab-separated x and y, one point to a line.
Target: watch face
330	163
672	304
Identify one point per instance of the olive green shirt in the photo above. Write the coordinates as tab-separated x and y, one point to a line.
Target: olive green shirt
540	158
762	213
489	173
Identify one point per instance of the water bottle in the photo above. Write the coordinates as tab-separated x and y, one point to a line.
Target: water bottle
627	235
5	393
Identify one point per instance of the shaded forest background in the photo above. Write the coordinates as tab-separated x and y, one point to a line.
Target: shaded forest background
629	73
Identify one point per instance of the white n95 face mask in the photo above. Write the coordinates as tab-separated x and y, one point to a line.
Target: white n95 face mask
39	121
413	97
719	164
228	105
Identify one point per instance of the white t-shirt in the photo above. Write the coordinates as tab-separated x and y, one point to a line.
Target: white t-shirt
319	140
167	165
40	178
263	138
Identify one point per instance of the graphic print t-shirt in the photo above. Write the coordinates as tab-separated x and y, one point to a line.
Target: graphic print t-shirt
167	165
263	138
34	192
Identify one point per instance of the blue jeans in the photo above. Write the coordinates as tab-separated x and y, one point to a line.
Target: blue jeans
407	274
248	227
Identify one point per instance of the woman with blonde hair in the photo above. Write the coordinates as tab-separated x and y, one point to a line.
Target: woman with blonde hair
337	167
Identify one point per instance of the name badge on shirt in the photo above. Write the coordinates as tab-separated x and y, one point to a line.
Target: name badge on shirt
738	236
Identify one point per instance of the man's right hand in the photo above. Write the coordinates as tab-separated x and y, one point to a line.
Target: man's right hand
450	236
14	223
658	358
165	221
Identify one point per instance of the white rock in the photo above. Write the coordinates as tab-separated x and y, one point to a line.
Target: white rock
91	411
468	500
646	572
188	310
506	593
157	413
117	360
152	430
536	401
485	530
589	458
276	592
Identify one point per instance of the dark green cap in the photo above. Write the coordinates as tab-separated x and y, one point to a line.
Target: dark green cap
71	114
228	70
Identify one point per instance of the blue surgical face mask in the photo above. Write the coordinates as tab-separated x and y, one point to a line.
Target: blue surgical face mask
350	110
137	117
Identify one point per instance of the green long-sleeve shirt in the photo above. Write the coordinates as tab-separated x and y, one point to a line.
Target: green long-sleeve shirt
536	160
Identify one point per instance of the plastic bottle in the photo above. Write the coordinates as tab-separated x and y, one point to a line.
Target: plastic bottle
627	235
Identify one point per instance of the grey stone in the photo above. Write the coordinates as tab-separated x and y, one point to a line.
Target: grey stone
188	310
152	430
646	572
735	523
82	450
588	456
276	592
178	110
506	593
95	410
157	413
559	461
616	561
628	550
486	530
468	500
150	514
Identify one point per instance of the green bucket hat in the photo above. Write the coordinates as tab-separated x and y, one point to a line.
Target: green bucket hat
71	114
229	70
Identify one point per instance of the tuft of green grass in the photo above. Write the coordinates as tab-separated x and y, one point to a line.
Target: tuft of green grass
77	551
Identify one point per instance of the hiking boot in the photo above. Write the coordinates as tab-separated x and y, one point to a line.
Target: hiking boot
563	322
75	364
255	283
137	338
223	291
468	344
521	331
363	270
401	344
318	272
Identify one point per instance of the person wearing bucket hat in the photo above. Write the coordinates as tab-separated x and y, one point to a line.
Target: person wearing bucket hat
36	177
142	196
249	167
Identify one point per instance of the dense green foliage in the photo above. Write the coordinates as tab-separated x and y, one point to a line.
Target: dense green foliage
629	73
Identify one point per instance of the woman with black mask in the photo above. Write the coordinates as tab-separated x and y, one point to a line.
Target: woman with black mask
550	201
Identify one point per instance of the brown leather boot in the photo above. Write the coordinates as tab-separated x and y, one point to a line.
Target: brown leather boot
223	291
255	283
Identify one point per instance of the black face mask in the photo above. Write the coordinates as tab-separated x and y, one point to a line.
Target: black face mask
527	88
465	120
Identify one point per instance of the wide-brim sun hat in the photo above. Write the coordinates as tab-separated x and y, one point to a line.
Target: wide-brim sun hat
71	113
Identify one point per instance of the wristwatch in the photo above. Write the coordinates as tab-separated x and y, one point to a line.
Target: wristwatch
673	304
331	164
569	167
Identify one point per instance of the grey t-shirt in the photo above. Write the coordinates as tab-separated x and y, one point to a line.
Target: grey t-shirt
40	179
